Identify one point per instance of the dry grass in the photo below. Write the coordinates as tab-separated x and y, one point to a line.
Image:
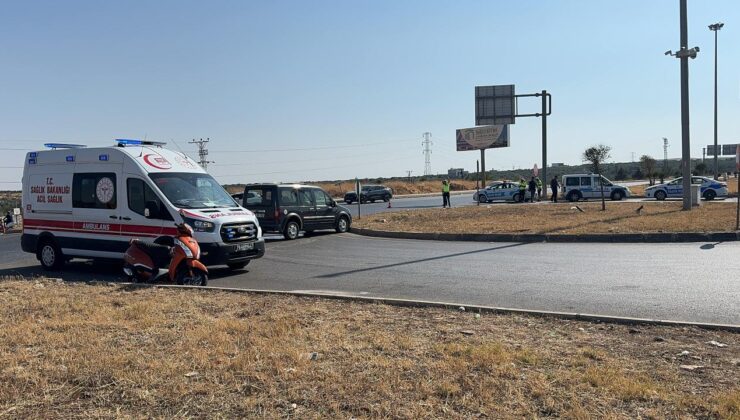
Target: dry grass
559	218
74	350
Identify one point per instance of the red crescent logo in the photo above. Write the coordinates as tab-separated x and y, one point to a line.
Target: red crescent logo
157	161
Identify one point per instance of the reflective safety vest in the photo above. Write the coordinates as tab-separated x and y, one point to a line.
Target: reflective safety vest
522	185
539	183
445	187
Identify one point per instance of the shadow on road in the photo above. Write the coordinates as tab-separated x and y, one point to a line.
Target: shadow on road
96	271
441	257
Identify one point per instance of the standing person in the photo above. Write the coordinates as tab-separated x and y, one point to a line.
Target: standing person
446	194
522	190
539	188
532	189
7	222
554	185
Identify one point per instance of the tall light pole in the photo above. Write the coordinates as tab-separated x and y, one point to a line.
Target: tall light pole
715	27
684	54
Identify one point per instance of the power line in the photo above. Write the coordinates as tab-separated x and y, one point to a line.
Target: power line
304	149
308	170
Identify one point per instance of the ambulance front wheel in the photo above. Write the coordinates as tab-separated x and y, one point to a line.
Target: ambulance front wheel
50	255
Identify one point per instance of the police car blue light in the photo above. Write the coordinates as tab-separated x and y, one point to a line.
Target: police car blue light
710	189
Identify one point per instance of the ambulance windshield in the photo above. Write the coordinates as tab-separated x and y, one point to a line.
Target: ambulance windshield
192	190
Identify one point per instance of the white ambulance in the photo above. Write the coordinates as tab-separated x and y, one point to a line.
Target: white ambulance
81	202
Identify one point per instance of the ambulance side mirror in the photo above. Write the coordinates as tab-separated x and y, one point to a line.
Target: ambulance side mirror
151	210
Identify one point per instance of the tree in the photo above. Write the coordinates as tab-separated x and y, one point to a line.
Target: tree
621	174
596	156
648	164
701	168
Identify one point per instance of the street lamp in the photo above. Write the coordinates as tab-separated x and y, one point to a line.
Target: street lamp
715	27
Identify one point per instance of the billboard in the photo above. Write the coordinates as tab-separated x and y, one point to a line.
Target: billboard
494	105
728	149
723	149
485	137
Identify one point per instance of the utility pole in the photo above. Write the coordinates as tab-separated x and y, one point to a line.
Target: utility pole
633	157
715	27
427	143
408	174
703	154
202	152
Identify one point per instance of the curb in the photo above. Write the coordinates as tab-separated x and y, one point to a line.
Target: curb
557	238
448	305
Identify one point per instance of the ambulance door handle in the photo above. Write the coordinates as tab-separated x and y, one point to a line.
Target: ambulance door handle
113	217
126	218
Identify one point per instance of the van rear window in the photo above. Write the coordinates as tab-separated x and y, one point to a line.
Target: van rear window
572	182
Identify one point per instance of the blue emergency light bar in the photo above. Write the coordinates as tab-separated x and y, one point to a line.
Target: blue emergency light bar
134	142
63	146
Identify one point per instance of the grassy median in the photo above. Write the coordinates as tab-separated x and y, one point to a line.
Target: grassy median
76	350
561	218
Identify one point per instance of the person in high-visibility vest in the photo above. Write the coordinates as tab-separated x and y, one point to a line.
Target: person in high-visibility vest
522	189
539	188
446	194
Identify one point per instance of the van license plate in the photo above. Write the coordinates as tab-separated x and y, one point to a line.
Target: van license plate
244	247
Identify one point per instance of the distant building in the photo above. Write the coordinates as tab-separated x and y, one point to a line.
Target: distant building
457	173
556	164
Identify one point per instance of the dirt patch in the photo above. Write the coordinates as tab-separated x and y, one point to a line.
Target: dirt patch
74	350
563	218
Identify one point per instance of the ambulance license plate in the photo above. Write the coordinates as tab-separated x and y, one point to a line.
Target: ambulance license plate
244	247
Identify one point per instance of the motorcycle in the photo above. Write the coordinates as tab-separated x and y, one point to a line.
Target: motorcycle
169	258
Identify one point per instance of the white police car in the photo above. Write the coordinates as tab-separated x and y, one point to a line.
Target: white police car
498	191
710	189
585	186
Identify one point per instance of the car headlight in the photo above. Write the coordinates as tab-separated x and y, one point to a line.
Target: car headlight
201	225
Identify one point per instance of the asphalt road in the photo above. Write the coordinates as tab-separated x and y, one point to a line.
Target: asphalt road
683	281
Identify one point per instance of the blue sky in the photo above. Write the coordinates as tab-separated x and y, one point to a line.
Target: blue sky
368	76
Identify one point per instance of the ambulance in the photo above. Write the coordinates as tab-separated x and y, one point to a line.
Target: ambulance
81	202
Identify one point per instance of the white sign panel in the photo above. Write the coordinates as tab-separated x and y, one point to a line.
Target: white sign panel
50	192
486	137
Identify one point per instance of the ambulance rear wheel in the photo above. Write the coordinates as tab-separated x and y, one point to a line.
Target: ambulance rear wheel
49	255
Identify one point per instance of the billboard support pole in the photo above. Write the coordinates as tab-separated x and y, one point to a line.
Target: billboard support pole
544	140
483	167
477	174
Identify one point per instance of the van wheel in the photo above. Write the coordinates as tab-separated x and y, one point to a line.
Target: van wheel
709	195
291	230
617	196
237	266
660	195
342	225
387	198
50	255
574	196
